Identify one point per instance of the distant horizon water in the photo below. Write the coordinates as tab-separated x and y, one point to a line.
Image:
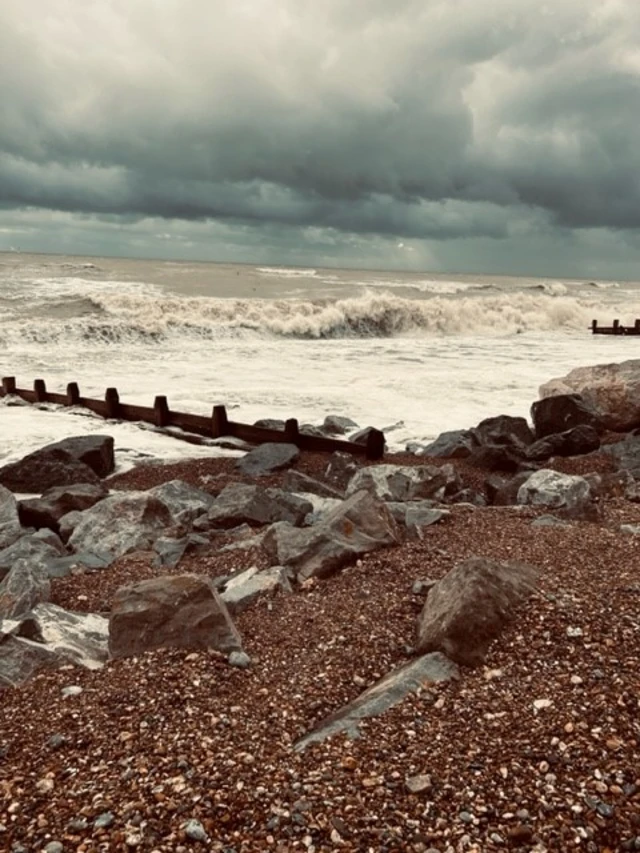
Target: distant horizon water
412	353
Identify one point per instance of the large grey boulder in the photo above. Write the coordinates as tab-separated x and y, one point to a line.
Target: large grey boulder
240	503
78	638
613	390
406	483
184	502
268	458
454	444
503	430
183	611
26	585
33	547
129	521
569	494
573	442
20	659
96	451
54	503
10	528
338	425
358	525
563	412
415	675
43	469
471	605
625	454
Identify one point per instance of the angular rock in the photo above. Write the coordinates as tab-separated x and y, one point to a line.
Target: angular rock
26	585
389	691
20	659
498	457
503	430
503	491
33	548
360	524
124	522
563	412
574	442
362	436
454	444
78	638
170	551
569	495
68	523
415	516
268	458
340	470
244	589
471	605
45	468
182	611
270	423
239	503
47	510
338	425
626	454
10	528
406	483
96	451
613	390
184	502
296	481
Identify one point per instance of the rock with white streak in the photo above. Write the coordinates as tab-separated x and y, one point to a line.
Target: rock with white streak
26	585
567	494
78	638
33	547
124	522
244	589
406	483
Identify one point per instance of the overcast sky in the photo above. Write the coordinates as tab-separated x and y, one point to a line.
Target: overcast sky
460	135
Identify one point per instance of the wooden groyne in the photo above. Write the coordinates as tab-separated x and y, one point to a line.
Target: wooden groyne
216	426
615	329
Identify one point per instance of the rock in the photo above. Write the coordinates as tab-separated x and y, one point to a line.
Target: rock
68	523
123	522
454	444
60	567
400	483
10	528
549	521
50	466
33	548
574	442
239	503
498	457
360	524
470	606
78	638
296	481
338	425
416	515
423	587
562	412
503	430
503	491
195	831
340	470
362	436
20	659
569	495
241	660
270	423
626	454
96	451
184	502
170	551
268	458
47	510
183	611
613	390
243	589
26	585
384	694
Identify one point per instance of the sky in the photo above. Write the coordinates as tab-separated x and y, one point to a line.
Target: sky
444	135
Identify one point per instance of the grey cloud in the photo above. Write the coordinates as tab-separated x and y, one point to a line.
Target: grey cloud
435	120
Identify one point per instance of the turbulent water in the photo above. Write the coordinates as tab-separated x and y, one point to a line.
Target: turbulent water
417	352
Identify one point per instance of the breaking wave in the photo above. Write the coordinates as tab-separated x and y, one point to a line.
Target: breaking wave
136	318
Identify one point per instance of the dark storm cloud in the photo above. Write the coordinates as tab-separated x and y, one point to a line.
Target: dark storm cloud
420	119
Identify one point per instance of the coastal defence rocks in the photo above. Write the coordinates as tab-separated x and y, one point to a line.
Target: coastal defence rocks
82	459
612	390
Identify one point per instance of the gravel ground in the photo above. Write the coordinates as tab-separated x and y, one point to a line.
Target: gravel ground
538	750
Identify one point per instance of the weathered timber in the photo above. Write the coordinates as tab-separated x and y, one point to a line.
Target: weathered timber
216	426
616	328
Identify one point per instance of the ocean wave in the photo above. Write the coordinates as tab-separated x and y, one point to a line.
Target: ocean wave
285	272
117	318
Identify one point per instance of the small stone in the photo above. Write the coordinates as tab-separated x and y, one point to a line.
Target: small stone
241	660
103	821
71	690
45	786
56	741
466	817
195	831
575	679
417	784
604	810
539	704
54	847
574	632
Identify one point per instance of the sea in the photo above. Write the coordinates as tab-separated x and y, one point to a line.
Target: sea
414	354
